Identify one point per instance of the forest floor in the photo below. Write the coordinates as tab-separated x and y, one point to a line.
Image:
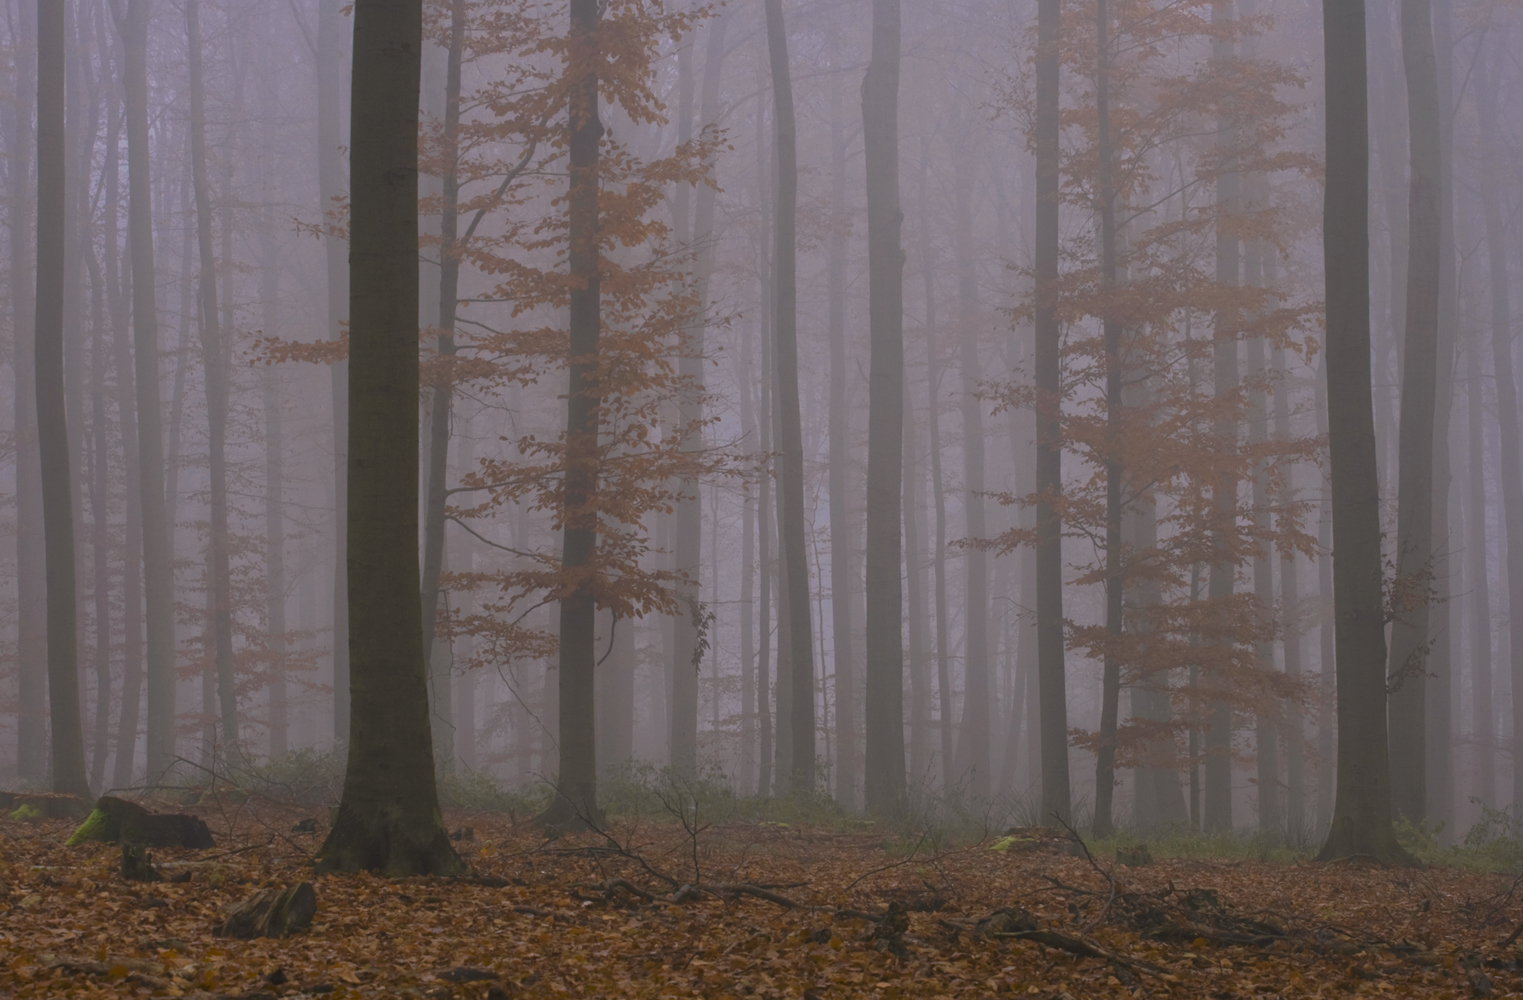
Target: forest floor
745	910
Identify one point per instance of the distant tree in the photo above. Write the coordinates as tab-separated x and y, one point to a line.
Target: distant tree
68	748
1407	671
388	818
884	759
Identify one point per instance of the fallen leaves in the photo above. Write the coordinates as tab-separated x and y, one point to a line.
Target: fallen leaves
542	920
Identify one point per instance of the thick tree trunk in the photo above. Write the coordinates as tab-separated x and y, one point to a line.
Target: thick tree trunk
215	365
577	792
68	748
791	445
1408	668
885	779
1051	681
1362	810
158	541
1507	402
388	818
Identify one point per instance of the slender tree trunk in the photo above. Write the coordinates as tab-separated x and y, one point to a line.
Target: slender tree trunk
331	28
885	780
274	498
388	818
441	401
1441	781
68	747
1407	669
1290	632
97	472
748	570
914	571
1218	737
791	446
1115	578
843	575
31	571
216	398
1484	738
1362	809
1266	731
1051	680
1326	639
978	701
577	792
158	541
1507	403
950	777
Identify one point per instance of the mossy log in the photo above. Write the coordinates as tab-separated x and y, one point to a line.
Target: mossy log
274	912
116	820
52	805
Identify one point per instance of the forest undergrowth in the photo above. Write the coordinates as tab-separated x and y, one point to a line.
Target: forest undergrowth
682	902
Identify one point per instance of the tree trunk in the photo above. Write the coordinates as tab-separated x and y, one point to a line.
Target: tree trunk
158	540
1051	680
885	780
843	575
1290	632
274	496
1115	578
441	402
576	798
1217	816
31	571
1362	809
388	818
68	748
1483	705
1326	627
1408	668
791	445
1266	732
1440	703
331	28
978	702
1507	402
216	398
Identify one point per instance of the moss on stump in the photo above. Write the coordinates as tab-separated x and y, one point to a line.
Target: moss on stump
116	820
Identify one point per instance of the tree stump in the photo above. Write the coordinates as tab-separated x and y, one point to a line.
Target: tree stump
274	912
137	864
117	820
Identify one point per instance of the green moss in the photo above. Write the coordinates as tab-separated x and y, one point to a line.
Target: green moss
26	813
96	827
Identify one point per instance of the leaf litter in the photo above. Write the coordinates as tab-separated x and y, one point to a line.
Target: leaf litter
650	909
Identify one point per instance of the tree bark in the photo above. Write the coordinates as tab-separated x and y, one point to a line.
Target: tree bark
1217	810
441	401
1115	578
215	364
1507	399
1051	680
68	748
31	570
330	182
388	818
1362	809
576	797
791	446
885	779
158	540
1478	603
843	575
1407	669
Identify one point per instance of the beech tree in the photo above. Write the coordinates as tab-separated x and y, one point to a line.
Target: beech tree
388	819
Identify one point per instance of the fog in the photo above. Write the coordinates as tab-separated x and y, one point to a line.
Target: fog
876	461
